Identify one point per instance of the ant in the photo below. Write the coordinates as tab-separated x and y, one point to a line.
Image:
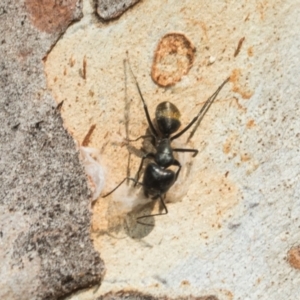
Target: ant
158	179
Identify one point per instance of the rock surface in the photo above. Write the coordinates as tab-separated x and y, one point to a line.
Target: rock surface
232	231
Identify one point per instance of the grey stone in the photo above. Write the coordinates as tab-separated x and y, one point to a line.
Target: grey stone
111	9
46	251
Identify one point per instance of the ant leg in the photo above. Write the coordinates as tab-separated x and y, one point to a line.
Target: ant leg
148	155
202	111
178	164
186	150
144	103
141	137
160	214
126	178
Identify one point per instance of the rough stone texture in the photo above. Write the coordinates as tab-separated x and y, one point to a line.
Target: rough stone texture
234	214
46	251
53	16
111	9
131	295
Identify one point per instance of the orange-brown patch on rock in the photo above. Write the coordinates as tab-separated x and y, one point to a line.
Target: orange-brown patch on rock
51	15
250	124
173	58
238	105
87	138
228	294
228	144
185	283
250	51
239	46
294	257
262	7
227	147
235	79
245	157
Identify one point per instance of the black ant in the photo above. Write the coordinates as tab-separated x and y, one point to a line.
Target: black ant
158	179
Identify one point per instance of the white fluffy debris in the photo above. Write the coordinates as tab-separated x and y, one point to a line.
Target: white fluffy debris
91	161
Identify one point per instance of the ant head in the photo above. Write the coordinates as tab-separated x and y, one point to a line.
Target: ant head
167	118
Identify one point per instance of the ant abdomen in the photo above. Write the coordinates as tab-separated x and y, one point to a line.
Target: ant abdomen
167	118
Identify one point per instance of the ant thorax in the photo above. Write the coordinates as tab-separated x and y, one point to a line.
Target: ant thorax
164	153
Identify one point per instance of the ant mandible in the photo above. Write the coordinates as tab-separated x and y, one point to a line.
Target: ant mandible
158	179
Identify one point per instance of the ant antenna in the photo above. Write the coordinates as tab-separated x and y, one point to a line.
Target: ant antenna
142	98
206	107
